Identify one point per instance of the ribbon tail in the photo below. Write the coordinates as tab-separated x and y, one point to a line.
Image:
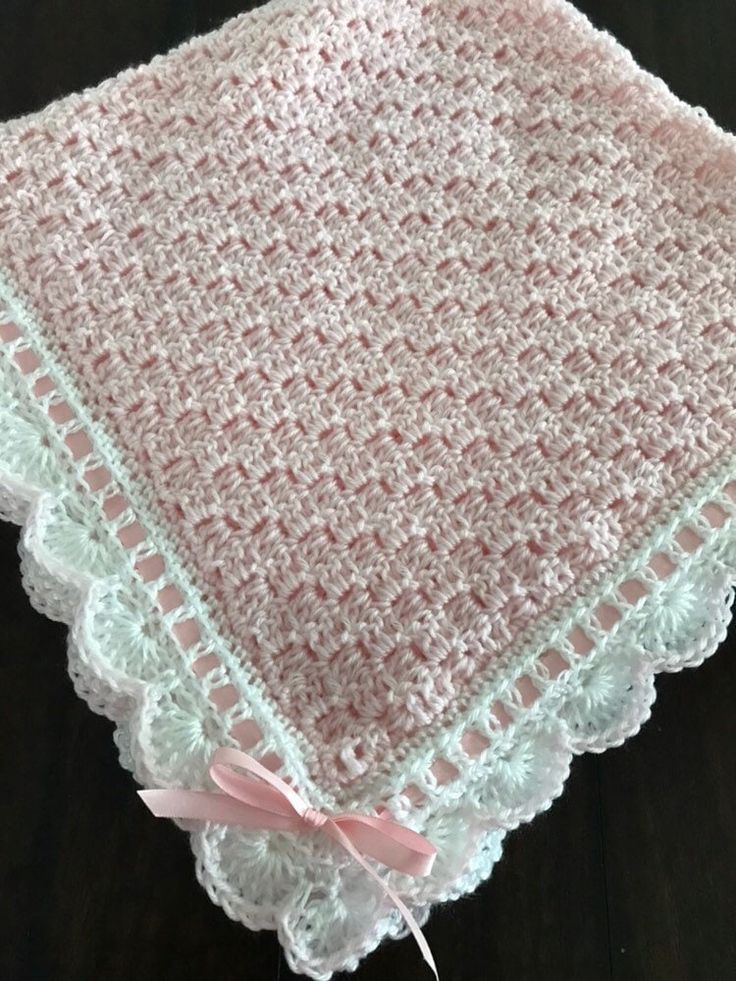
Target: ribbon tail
339	835
200	805
390	843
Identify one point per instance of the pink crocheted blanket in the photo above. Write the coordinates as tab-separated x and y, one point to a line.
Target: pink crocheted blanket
369	373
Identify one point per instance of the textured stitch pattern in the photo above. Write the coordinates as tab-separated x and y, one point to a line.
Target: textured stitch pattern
125	667
409	316
415	323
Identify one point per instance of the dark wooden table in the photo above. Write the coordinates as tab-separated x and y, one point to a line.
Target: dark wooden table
631	875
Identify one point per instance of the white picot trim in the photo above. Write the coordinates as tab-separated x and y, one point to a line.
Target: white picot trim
144	652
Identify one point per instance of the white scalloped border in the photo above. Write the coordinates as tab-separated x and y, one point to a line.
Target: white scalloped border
77	569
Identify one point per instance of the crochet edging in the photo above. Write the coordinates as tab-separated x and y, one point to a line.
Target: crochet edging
83	585
678	624
124	661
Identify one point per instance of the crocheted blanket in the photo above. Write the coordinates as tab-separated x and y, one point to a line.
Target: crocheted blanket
369	396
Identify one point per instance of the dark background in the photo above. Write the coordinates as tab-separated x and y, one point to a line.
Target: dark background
631	875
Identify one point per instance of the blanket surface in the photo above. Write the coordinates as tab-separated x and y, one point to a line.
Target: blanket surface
369	389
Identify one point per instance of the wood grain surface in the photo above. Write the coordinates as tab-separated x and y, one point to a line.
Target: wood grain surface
632	873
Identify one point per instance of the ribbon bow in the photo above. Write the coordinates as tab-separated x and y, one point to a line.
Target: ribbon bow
259	799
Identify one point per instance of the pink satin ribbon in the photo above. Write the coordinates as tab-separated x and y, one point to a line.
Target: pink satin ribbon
260	800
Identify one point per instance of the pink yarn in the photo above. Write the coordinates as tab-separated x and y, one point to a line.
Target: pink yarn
411	318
